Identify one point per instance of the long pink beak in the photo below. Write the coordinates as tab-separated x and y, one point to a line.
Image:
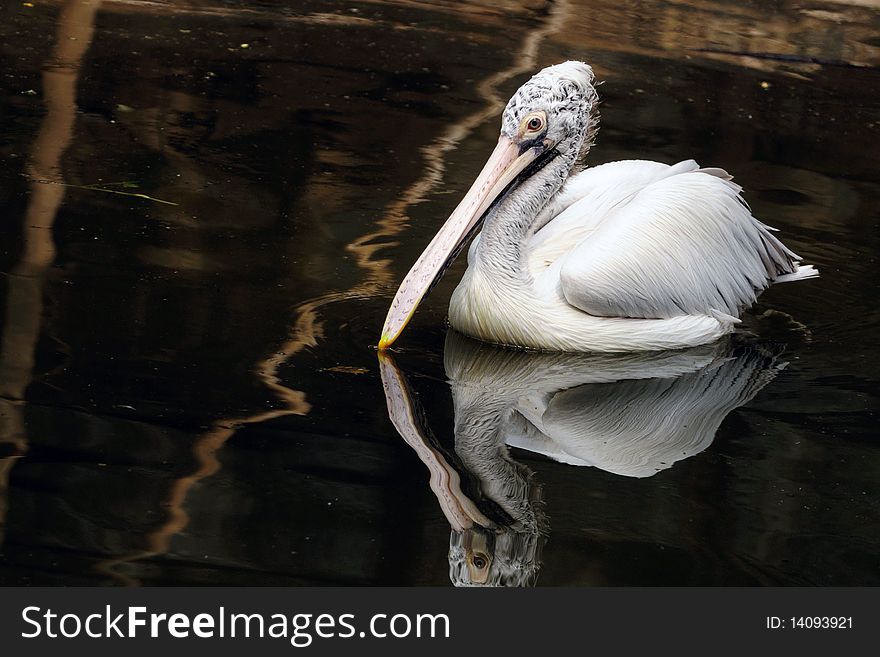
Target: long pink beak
503	166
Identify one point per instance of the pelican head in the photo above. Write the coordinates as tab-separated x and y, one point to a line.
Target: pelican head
550	118
503	558
553	110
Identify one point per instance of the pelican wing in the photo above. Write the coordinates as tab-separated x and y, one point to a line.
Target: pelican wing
587	200
685	243
639	427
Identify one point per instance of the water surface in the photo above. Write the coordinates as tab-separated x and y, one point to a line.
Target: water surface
206	208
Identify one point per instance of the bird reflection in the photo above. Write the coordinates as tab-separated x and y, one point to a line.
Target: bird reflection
629	414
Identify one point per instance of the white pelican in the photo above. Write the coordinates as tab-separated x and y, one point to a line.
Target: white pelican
626	256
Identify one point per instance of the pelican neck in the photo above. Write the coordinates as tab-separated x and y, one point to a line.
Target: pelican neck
501	252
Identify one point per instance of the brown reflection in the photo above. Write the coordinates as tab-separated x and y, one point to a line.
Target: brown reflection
784	39
24	312
306	329
204	451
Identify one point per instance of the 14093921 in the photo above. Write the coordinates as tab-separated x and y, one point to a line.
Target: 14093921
809	623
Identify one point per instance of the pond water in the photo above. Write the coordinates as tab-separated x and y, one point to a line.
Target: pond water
207	206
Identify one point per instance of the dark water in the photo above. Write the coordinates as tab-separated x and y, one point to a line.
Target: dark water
189	390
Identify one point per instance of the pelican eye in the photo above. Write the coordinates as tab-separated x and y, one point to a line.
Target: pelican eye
535	123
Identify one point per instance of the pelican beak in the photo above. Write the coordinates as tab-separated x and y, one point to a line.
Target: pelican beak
507	161
461	512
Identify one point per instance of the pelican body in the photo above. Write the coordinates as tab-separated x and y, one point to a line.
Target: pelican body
627	256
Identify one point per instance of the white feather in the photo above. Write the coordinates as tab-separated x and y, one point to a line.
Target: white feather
683	244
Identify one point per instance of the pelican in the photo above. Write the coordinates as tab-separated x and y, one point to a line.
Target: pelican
633	415
627	256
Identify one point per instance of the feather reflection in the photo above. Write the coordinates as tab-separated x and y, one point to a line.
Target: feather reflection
633	415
